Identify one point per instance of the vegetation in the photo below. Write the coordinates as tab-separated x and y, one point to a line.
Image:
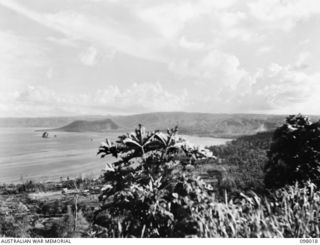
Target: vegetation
263	185
244	160
295	153
61	209
289	212
151	191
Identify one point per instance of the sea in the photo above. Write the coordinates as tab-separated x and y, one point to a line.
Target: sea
25	155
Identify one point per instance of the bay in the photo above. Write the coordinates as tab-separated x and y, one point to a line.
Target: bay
25	155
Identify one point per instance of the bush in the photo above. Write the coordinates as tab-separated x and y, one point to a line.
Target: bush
294	153
150	191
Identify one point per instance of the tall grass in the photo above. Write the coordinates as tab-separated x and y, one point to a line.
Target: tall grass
292	211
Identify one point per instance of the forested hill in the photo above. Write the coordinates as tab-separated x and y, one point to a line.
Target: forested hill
245	159
90	126
203	124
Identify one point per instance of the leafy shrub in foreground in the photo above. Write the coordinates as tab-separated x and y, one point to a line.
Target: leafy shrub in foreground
294	153
150	191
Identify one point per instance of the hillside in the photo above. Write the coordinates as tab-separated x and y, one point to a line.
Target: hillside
203	124
89	126
239	165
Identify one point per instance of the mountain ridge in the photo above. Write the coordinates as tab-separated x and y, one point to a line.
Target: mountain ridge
201	124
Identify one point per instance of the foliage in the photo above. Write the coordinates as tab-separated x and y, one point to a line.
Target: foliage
149	191
244	159
41	215
290	212
152	190
14	225
295	153
175	203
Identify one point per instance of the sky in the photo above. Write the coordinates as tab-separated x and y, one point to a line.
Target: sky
99	57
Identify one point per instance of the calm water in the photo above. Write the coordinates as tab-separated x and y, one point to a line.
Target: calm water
25	155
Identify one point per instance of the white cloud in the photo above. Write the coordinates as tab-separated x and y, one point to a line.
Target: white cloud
278	88
20	59
77	26
230	19
217	52
88	57
169	17
275	89
216	69
172	18
42	101
284	14
302	60
187	44
263	50
61	41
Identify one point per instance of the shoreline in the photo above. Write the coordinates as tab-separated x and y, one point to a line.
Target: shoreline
54	180
78	159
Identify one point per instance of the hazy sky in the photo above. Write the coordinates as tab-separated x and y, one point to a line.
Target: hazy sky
131	56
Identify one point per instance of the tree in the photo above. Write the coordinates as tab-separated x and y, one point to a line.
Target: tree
294	154
150	191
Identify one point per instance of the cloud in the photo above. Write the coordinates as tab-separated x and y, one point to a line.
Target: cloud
78	26
277	88
215	69
187	44
88	57
21	59
61	41
41	101
172	19
169	17
205	55
263	50
302	60
284	14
